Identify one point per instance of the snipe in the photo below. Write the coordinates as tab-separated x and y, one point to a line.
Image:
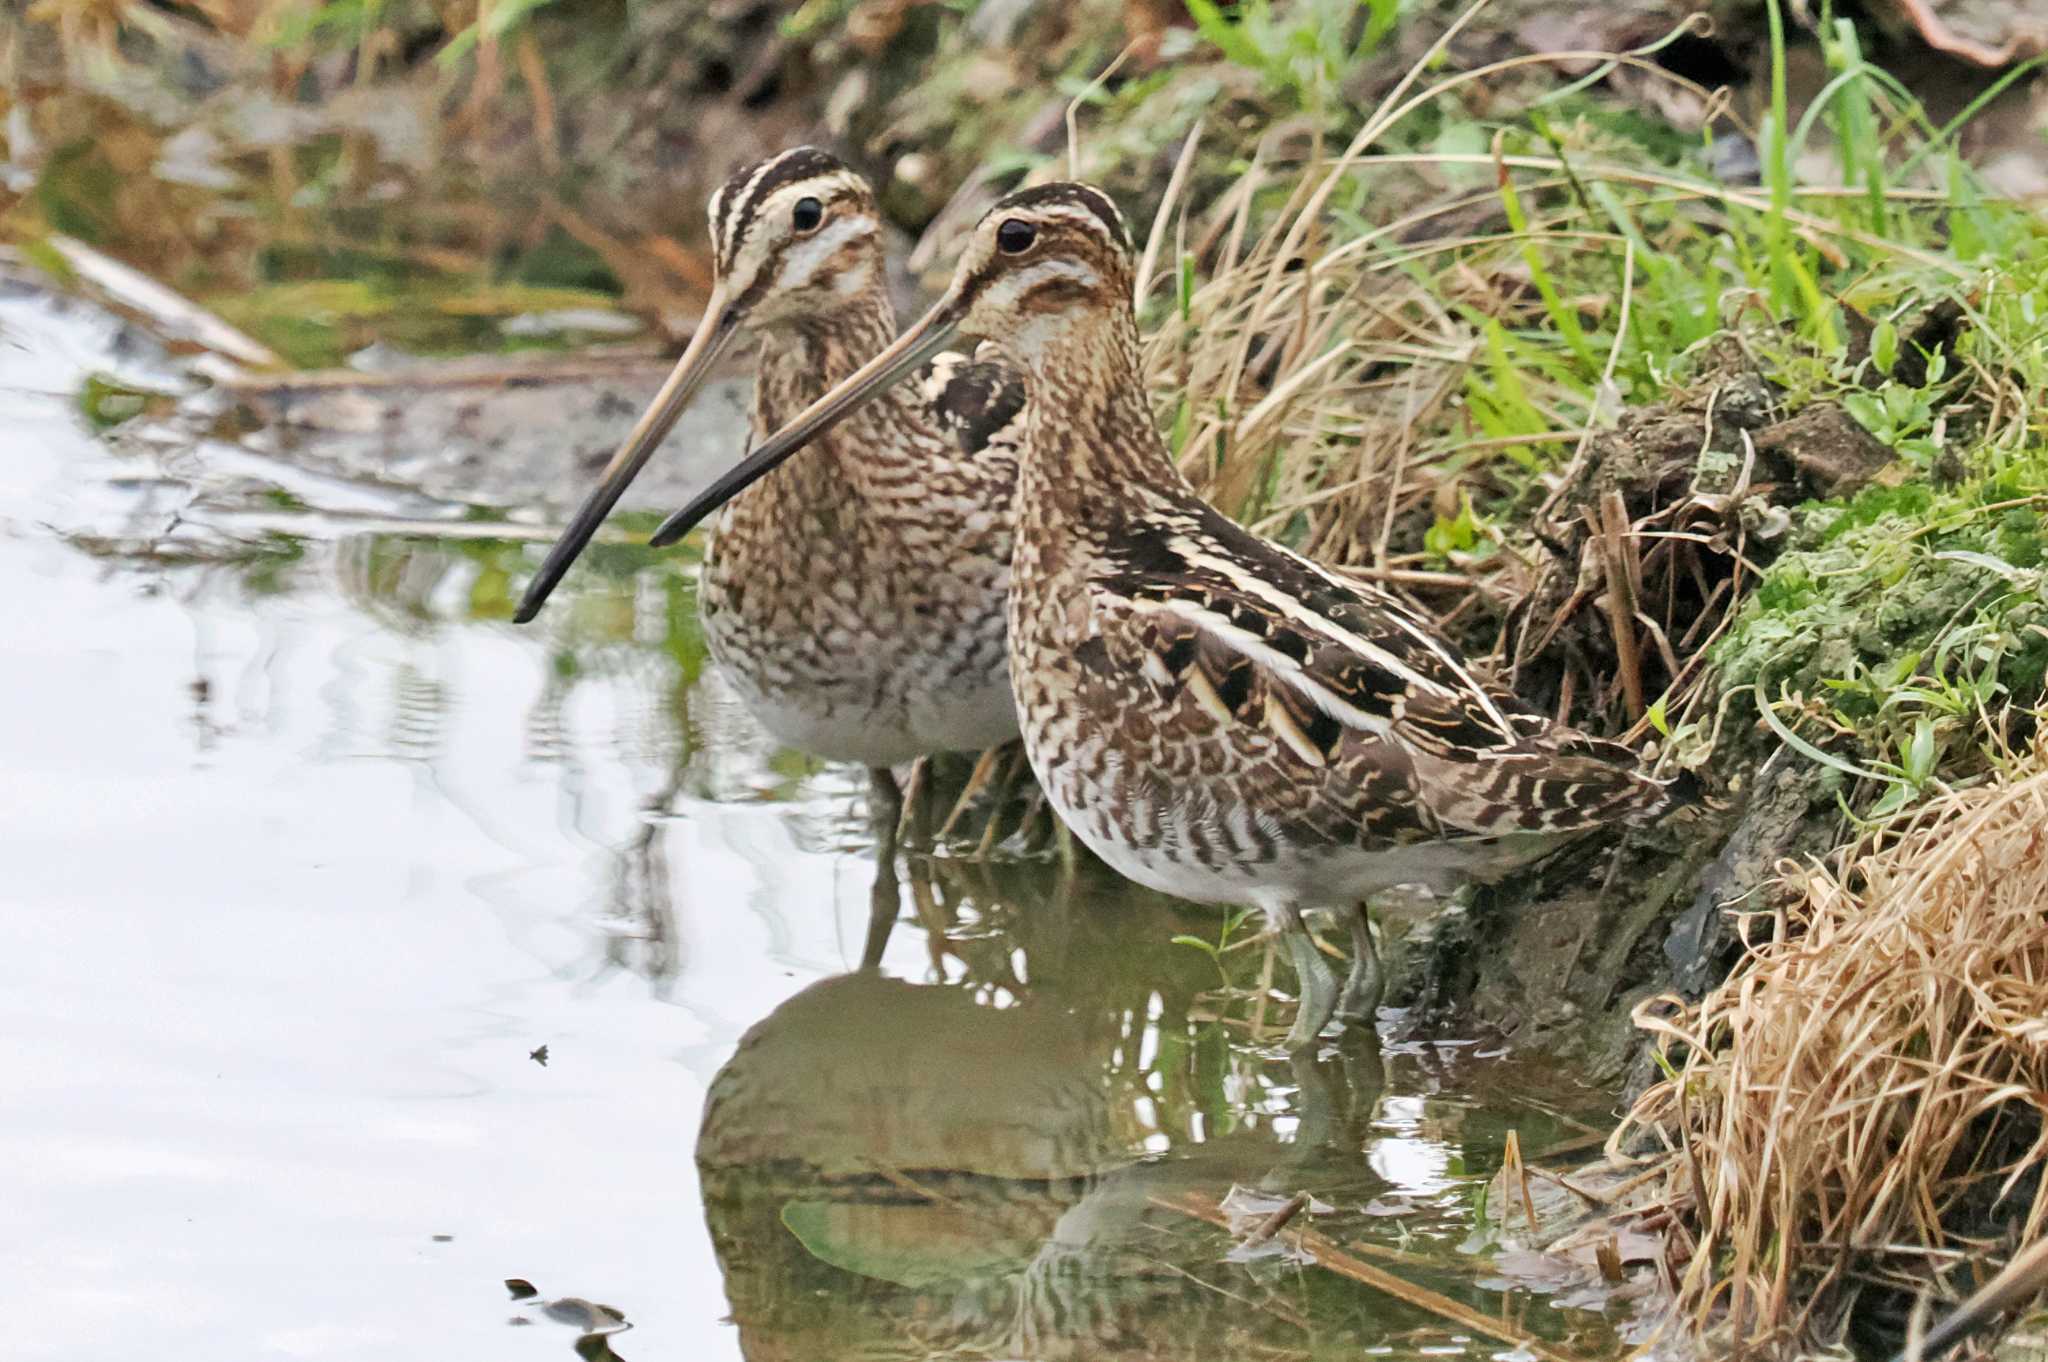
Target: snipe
1214	715
856	599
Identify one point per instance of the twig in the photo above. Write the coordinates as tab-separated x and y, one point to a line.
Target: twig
535	73
1074	106
1611	531
1328	1254
168	313
1512	1166
1174	188
1277	1221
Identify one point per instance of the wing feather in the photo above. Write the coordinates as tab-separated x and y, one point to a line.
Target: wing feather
1346	682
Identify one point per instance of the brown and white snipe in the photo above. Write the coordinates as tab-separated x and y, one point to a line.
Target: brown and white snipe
1214	715
856	599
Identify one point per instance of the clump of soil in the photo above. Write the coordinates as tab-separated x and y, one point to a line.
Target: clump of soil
1655	531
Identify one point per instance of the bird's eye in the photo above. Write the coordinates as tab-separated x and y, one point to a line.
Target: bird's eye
807	215
1015	236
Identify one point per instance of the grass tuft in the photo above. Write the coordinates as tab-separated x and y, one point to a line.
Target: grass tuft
1857	1113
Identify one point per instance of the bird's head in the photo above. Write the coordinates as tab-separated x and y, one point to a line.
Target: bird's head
1043	264
796	240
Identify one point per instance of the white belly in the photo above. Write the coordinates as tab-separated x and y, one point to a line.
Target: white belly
876	720
1154	844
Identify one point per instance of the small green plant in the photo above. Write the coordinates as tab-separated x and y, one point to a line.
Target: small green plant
1485	1234
1464	534
107	401
1901	417
1214	949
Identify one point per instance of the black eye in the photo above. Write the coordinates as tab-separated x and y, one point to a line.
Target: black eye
1015	236
809	213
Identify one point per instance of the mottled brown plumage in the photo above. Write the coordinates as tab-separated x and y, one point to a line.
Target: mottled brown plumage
856	597
1213	714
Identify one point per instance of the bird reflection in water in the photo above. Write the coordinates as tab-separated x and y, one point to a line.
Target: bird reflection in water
978	1167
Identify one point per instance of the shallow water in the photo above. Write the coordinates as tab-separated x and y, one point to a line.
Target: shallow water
308	853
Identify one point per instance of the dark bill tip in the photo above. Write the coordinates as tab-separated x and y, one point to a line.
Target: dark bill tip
714	332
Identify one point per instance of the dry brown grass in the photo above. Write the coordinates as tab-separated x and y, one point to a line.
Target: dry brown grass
1859	1107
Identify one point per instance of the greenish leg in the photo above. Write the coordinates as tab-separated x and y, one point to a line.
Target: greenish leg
1366	983
914	805
1318	985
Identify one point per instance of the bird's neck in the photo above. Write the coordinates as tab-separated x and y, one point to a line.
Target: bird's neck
798	364
800	360
1091	444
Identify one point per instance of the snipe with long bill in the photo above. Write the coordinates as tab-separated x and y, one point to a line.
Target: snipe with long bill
1215	715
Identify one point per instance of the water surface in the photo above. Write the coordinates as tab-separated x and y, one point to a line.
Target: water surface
309	853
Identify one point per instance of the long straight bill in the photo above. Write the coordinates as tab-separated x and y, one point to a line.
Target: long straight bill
933	332
714	332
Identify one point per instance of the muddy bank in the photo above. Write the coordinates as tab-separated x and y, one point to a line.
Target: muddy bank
528	435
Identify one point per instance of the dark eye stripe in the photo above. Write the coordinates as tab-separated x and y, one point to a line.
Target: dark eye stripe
1072	195
750	187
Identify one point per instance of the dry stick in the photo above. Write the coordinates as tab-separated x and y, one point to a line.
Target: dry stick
168	312
1610	528
1456	581
1074	106
1174	188
534	72
1511	1164
1276	1222
1401	447
1329	1255
1599	1196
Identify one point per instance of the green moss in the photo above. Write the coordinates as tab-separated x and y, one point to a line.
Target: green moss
1908	502
1909	612
77	189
